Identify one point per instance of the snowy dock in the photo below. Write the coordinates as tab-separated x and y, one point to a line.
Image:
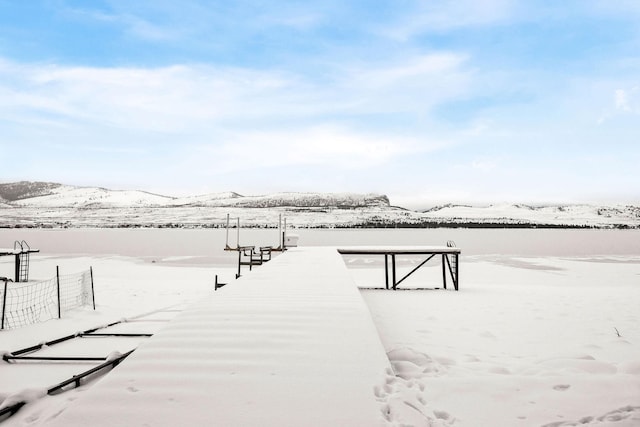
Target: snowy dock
290	344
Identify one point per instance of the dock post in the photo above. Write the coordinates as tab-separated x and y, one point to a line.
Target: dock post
386	271
444	270
457	278
280	234
226	244
218	285
238	234
393	270
239	262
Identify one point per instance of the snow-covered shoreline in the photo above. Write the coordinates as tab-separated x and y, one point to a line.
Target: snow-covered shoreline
585	216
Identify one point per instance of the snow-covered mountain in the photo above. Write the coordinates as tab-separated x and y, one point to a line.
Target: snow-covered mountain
38	204
67	196
13	191
303	200
49	195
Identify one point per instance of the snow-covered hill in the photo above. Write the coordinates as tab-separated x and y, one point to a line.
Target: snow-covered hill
571	215
13	191
49	195
66	196
33	204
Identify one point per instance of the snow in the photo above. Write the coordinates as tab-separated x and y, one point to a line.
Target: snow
62	206
85	197
529	340
577	215
81	197
406	249
23	396
276	348
525	344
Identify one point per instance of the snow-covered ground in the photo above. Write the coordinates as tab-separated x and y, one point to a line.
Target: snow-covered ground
526	342
529	340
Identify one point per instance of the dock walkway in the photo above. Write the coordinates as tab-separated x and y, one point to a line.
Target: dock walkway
290	344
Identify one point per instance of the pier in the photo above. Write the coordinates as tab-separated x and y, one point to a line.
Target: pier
290	344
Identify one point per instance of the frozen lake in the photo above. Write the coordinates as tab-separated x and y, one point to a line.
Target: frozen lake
204	247
209	243
544	330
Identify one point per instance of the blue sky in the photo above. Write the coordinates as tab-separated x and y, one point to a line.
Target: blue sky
429	102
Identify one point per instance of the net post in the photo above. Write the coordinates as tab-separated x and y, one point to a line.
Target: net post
58	291
93	295
17	268
4	302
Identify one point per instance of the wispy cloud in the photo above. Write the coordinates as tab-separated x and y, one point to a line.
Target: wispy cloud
448	15
183	97
334	146
266	118
132	24
627	101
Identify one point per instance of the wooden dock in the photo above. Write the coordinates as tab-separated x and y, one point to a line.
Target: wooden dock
290	344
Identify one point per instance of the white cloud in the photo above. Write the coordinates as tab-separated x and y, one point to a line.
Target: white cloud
627	100
484	164
225	120
163	99
333	146
621	100
197	98
157	21
442	16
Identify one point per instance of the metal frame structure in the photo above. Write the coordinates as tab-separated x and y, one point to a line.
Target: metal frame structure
282	230
450	261
21	252
249	255
108	362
